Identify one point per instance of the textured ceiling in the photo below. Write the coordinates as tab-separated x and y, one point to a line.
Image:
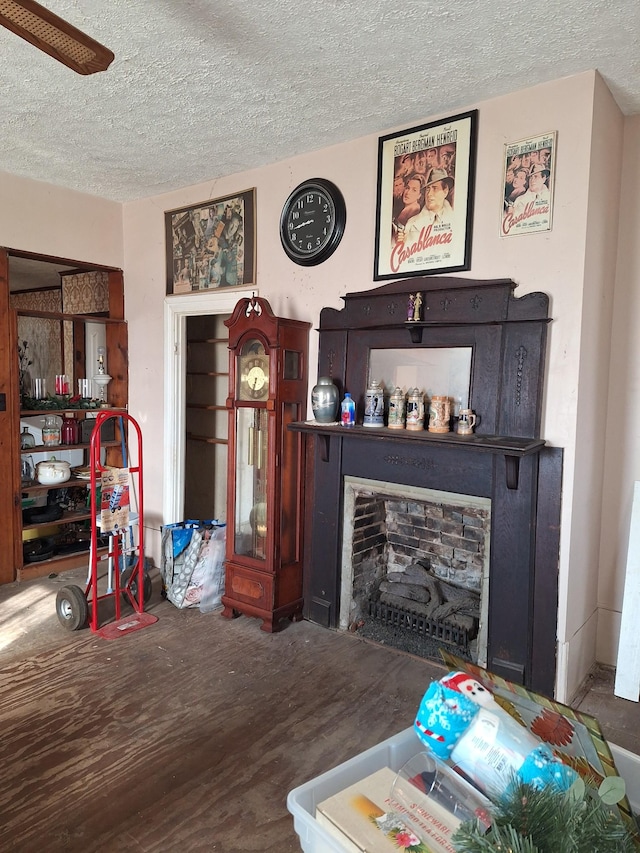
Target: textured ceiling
200	89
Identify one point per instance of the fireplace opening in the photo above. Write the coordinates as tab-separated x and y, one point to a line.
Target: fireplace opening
415	568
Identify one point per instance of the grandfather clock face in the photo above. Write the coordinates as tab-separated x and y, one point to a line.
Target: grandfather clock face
253	372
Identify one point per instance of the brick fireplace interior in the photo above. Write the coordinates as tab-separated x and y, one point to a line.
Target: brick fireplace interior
504	476
415	562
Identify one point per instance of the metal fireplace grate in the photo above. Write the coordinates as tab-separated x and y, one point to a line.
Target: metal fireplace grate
443	631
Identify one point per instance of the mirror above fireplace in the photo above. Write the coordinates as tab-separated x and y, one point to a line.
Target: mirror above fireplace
434	370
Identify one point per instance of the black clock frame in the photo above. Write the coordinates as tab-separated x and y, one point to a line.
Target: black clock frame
339	222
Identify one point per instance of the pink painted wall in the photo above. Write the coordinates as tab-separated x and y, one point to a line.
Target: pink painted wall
553	262
579	582
50	220
571	263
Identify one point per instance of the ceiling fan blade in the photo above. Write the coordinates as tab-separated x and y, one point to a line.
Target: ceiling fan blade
54	36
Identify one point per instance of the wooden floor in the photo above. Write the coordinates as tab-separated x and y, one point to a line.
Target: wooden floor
187	735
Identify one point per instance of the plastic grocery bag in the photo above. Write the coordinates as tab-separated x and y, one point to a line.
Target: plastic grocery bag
213	571
187	560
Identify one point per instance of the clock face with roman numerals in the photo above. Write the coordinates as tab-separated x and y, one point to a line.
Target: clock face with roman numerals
312	222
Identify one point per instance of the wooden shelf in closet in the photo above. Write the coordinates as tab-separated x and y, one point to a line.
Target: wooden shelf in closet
206	438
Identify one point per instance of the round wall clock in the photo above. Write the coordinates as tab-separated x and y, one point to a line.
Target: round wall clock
312	222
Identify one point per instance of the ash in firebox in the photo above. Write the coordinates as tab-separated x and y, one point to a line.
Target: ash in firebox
415	611
420	645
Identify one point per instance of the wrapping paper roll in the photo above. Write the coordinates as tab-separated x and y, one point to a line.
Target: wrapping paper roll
459	721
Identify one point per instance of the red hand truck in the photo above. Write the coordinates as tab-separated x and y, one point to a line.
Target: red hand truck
126	577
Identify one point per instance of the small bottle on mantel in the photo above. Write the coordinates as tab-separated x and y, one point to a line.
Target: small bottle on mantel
348	411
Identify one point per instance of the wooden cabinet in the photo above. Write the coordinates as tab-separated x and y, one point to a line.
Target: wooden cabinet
56	518
268	391
73	326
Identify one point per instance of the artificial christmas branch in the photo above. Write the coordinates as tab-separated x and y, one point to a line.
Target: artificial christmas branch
530	820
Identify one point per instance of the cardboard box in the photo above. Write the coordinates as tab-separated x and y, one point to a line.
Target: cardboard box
365	818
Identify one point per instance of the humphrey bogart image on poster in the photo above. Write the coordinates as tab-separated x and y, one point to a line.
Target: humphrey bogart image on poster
527	204
425	198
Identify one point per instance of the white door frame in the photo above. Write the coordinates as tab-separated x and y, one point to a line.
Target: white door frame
176	311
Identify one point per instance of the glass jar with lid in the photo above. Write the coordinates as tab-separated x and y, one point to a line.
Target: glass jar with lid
70	430
51	431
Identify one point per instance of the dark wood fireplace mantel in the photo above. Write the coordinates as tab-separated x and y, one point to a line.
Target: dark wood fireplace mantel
505	460
511	448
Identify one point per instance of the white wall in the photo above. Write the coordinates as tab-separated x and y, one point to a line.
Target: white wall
622	454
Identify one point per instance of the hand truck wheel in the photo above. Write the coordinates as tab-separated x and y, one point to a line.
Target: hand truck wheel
147	586
72	608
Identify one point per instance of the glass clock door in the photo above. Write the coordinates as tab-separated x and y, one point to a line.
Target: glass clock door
250	523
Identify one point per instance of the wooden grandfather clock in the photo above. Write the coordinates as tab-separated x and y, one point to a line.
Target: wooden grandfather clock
267	391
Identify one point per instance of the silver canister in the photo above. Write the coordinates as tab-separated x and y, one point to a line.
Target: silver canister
415	409
373	405
397	402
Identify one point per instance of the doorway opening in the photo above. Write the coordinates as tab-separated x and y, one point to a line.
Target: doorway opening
189	320
206	390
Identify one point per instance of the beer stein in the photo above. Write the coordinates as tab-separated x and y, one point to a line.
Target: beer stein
439	414
396	409
374	405
466	421
415	409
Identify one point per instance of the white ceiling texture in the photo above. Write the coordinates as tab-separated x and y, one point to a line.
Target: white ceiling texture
200	89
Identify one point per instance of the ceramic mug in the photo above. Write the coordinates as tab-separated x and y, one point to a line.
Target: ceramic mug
466	421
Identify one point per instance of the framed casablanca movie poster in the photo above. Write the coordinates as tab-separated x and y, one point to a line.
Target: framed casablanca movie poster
212	244
425	198
529	171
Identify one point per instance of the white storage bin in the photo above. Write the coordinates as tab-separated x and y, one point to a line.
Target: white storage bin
628	766
393	753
